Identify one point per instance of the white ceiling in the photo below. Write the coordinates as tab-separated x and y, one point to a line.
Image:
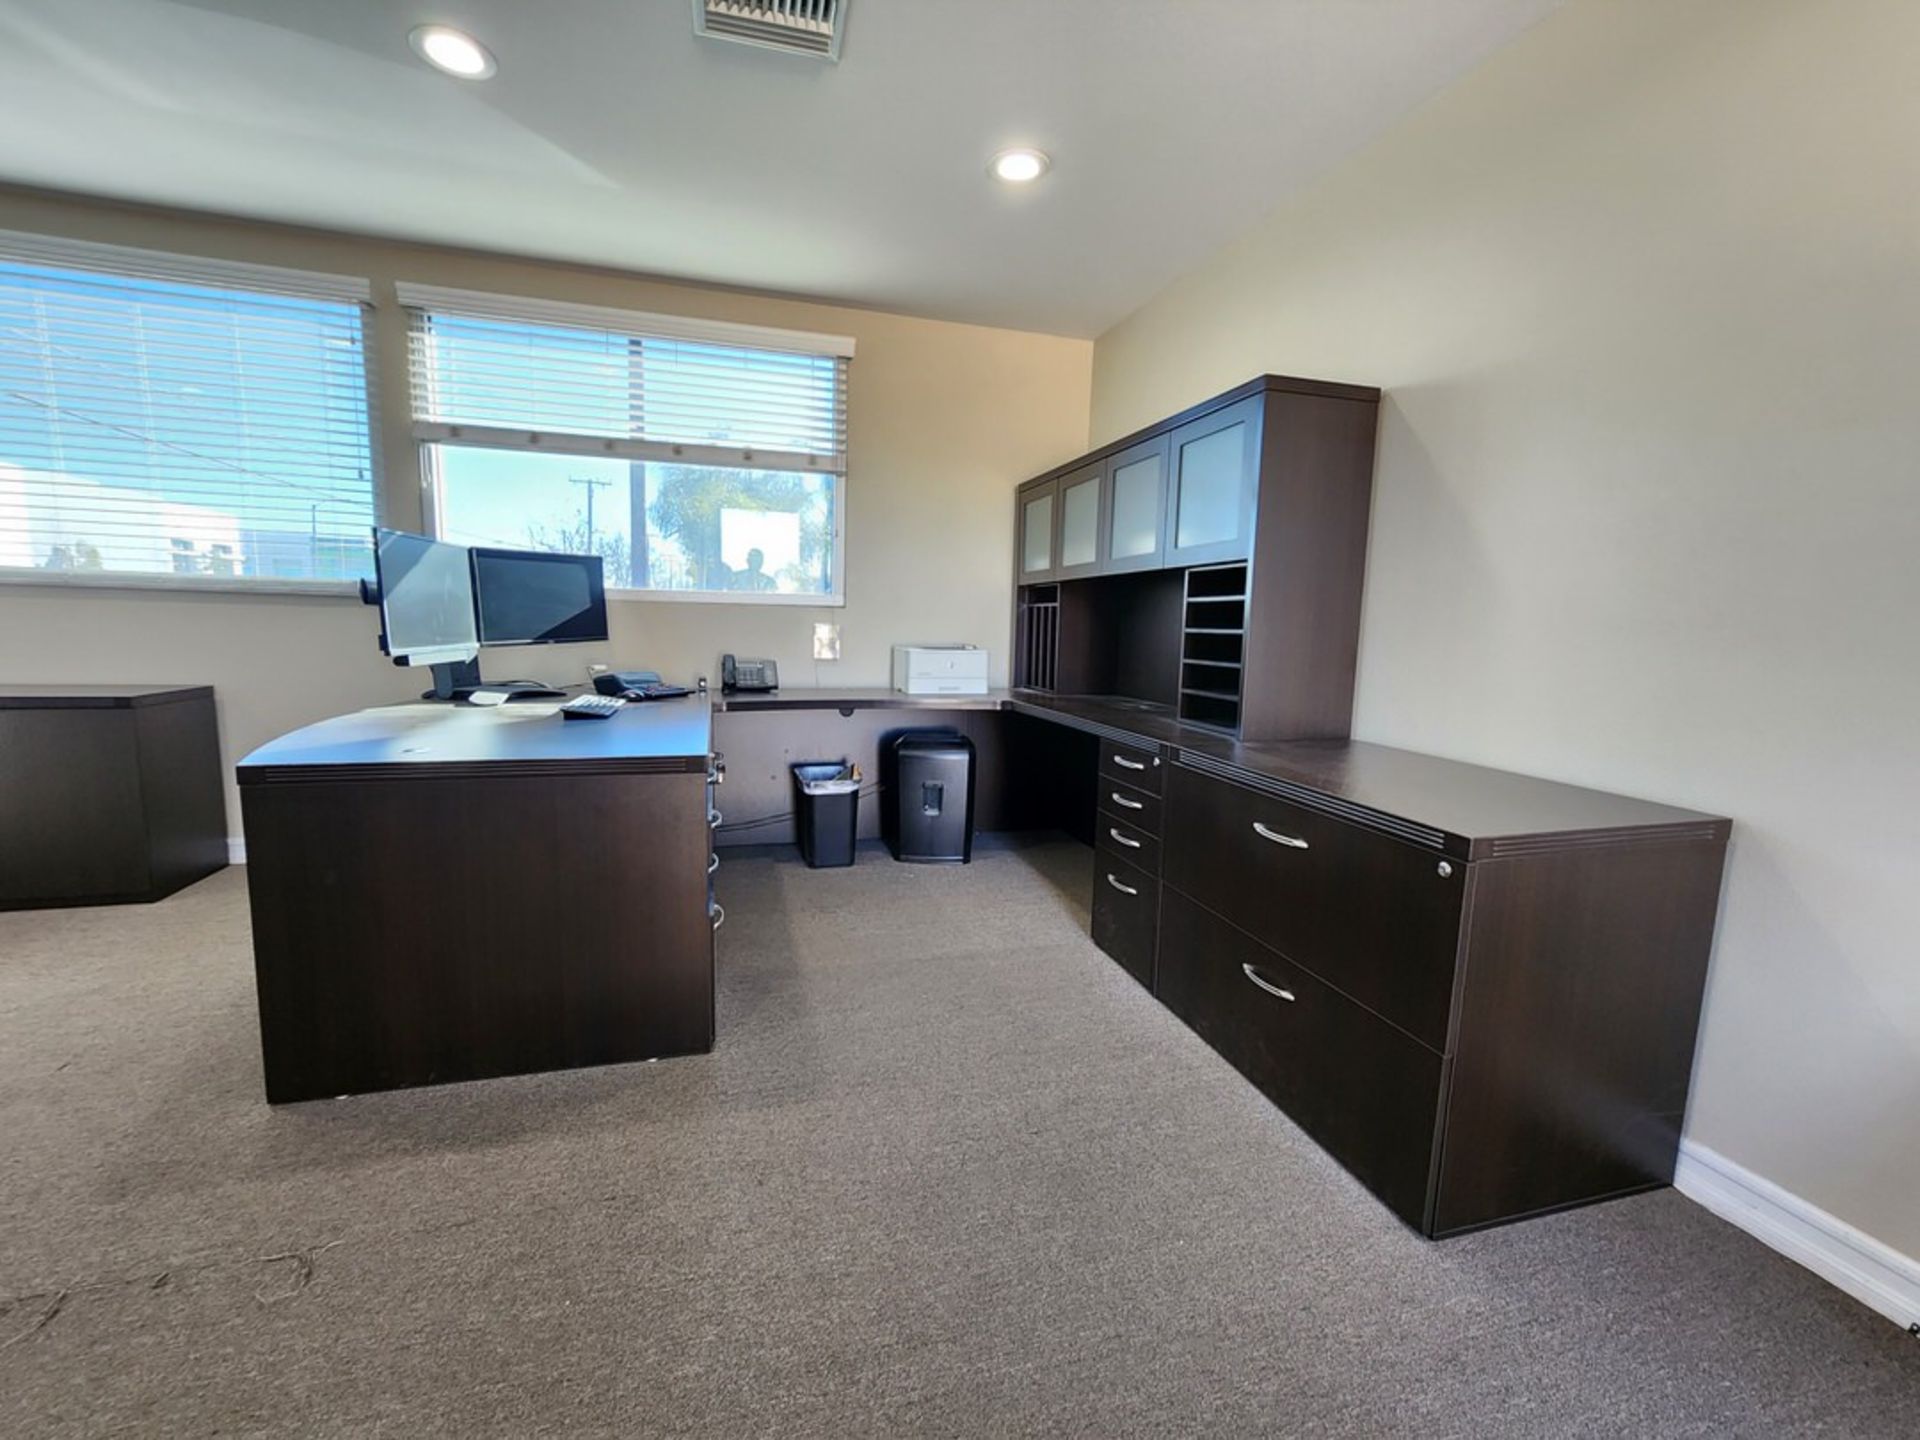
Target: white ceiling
612	136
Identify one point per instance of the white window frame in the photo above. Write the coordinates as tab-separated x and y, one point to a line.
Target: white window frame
428	435
135	263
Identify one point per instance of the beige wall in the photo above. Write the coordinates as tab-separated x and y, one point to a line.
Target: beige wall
1644	293
944	420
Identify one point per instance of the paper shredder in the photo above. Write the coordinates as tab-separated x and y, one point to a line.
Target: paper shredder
928	817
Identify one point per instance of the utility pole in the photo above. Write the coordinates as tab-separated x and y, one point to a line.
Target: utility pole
592	485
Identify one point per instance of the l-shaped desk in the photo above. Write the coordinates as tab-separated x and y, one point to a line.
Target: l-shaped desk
1478	990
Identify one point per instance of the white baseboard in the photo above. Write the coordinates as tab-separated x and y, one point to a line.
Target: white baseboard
236	850
1873	1273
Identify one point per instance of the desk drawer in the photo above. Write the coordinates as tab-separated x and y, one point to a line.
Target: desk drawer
1366	1092
1126	916
1370	915
1123	842
1137	809
1131	765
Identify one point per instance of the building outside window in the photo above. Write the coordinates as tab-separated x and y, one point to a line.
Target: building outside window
164	417
700	461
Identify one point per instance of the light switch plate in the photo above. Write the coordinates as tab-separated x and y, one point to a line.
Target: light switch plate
826	640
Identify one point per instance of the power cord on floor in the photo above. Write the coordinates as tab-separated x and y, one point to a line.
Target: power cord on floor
755	824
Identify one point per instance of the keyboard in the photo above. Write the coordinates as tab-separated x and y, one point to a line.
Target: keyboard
592	707
657	691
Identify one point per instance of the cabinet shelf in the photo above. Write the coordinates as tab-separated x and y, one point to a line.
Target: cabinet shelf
1036	661
1213	646
1211	711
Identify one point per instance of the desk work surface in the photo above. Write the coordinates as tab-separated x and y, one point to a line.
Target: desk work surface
430	739
1475	806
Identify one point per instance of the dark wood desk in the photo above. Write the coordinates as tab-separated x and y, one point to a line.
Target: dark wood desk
447	893
109	794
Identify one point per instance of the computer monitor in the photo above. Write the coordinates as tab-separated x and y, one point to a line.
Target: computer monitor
426	600
529	597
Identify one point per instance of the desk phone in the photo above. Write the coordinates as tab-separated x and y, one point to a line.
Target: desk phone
748	674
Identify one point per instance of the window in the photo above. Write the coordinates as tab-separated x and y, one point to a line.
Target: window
183	420
704	461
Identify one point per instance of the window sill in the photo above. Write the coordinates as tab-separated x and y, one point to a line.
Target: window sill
350	590
731	597
178	584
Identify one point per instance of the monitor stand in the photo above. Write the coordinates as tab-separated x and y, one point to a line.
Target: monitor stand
458	679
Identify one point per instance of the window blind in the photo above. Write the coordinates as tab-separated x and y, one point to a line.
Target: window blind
522	374
170	417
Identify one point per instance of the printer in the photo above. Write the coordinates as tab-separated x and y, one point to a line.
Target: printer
939	670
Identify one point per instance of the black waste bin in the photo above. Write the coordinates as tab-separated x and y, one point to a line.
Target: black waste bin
826	811
928	814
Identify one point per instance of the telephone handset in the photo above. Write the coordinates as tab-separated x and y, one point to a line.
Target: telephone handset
748	674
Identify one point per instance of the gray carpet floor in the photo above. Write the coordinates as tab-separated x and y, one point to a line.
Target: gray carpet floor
950	1172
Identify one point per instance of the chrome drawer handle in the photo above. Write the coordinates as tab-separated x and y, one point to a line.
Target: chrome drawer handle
1124	889
720	916
714	818
1126	764
1274	835
1125	803
713	861
1265	984
1130	844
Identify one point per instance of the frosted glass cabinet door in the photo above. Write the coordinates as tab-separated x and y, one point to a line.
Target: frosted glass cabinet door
1079	523
1214	471
1136	506
1036	531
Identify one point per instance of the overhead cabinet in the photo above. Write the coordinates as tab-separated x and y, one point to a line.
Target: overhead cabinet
1136	489
1215	475
1211	564
1038	503
1082	523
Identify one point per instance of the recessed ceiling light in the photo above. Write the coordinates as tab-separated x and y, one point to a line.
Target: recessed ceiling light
1020	166
445	48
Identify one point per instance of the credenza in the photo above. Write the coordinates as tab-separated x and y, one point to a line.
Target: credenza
109	794
1479	991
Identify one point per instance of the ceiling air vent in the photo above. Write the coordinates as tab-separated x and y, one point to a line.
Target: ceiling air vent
805	27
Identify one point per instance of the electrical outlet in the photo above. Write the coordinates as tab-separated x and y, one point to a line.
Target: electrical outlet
826	640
